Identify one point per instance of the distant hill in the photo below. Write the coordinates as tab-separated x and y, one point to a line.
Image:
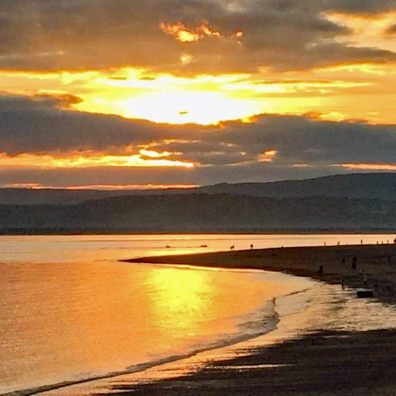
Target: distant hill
365	185
28	196
359	186
201	213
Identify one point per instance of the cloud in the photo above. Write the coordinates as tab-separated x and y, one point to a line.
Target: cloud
391	30
40	125
270	147
362	7
237	35
186	35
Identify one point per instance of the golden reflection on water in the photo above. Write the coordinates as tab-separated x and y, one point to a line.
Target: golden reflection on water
66	321
184	298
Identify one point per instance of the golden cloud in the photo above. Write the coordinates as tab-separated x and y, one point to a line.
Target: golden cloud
88	159
185	34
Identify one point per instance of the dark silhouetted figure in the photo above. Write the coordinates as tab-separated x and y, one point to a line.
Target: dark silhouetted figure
320	270
232	247
343	260
365	278
354	263
251	246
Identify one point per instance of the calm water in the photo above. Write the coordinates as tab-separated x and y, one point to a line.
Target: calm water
70	311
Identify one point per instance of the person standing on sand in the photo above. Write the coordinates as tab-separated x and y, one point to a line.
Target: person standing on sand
365	278
354	263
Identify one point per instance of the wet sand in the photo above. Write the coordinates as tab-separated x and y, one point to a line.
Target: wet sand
324	362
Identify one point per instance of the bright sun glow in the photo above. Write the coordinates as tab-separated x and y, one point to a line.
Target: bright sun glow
186	107
336	92
166	99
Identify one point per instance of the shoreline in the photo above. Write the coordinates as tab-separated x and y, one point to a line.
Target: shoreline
377	261
323	362
189	362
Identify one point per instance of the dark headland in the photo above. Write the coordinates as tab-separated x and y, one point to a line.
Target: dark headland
325	363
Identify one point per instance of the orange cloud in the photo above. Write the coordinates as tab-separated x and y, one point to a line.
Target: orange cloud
367	29
184	34
88	159
370	167
267	155
111	187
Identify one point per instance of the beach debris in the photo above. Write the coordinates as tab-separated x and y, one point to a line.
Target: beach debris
204	246
364	293
232	247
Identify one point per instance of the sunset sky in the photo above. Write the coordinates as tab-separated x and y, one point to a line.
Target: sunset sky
137	94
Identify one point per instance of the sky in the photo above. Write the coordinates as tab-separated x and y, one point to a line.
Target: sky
168	93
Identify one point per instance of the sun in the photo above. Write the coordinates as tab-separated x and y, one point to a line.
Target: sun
176	107
187	107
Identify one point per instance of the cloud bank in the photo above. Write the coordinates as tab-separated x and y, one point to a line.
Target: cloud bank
270	147
232	35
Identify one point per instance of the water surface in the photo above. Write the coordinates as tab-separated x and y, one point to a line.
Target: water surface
70	311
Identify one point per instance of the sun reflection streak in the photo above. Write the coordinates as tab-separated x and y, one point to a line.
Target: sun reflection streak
183	299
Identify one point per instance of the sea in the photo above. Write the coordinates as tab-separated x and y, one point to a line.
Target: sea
73	313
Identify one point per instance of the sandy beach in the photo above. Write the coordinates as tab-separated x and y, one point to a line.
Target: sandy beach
378	262
321	362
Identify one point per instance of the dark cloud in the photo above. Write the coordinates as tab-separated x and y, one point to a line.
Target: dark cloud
39	125
86	34
229	152
363	7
